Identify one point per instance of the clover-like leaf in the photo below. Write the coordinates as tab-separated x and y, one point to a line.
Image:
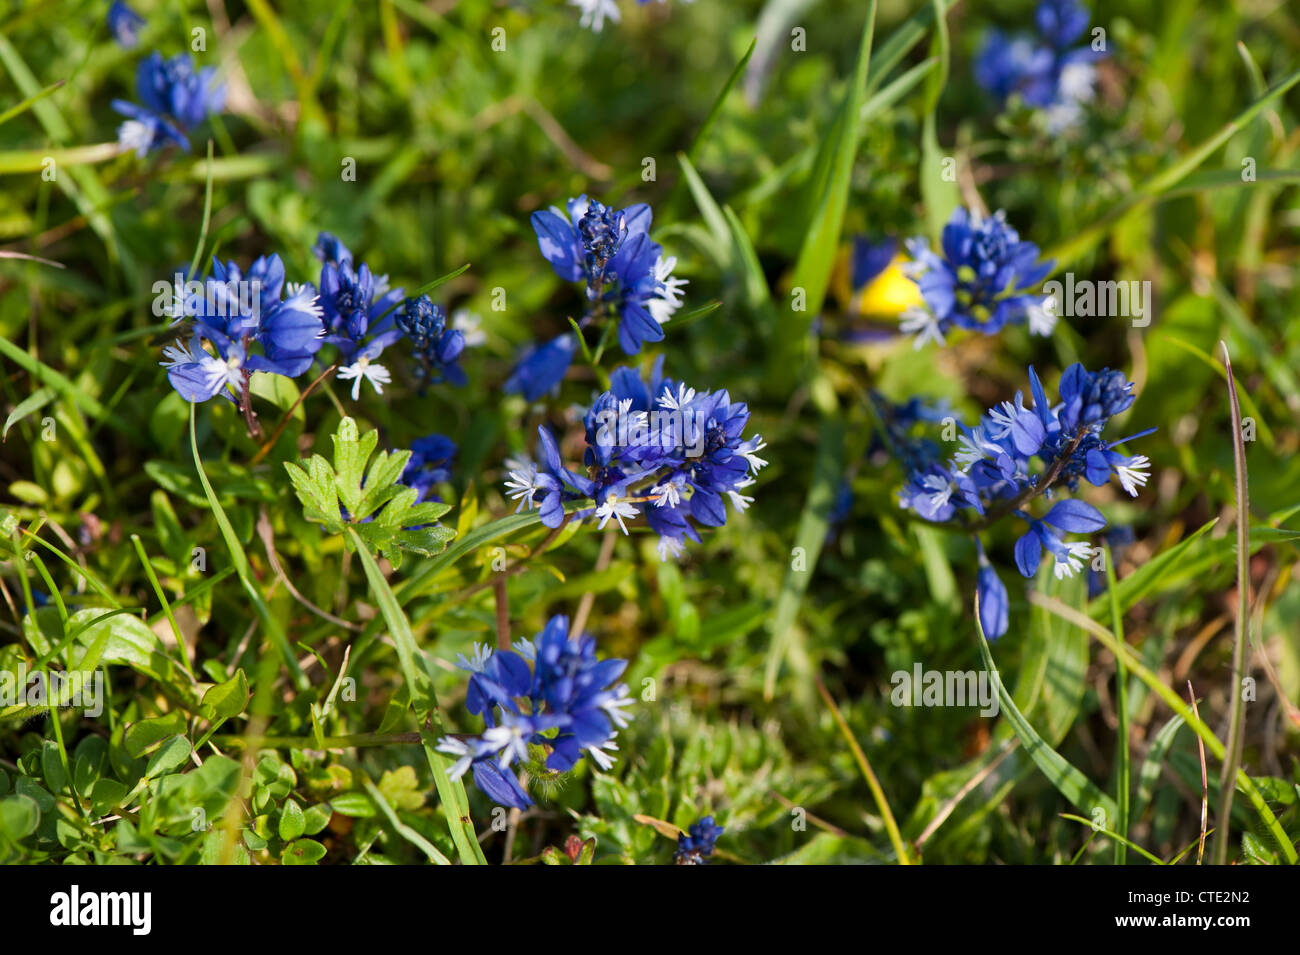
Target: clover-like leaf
370	500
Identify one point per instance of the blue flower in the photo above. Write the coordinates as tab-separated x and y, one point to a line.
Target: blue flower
358	310
124	23
233	311
696	845
655	448
437	348
980	280
541	368
174	98
1018	453
995	611
552	693
626	275
1044	70
430	463
1015	64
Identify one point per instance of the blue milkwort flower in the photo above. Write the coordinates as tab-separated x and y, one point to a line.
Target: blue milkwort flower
232	312
124	23
981	279
174	98
552	693
430	463
1016	454
1044	69
655	448
627	278
358	310
541	368
695	846
437	348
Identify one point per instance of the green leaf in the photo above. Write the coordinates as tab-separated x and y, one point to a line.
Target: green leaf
171	756
316	818
37	400
292	822
56	777
1072	784
450	791
19	817
383	513
355	804
303	852
141	737
226	700
938	192
832	172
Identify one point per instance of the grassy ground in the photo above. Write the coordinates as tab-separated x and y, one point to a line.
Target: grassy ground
273	695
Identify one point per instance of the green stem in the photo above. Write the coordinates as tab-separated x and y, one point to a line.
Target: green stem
1233	760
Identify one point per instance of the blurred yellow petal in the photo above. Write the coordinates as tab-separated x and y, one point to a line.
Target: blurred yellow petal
891	293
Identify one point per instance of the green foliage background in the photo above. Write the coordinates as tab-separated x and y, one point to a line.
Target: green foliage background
455	143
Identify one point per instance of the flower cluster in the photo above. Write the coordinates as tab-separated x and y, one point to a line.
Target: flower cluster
980	280
627	279
552	693
596	12
696	845
1044	69
358	307
654	448
174	98
437	348
364	316
1016	454
229	314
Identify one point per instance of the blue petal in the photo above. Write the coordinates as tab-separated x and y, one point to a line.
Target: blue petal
1029	552
1027	432
559	244
500	785
994	604
1075	516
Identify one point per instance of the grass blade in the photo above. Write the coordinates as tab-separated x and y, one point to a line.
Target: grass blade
1175	703
832	173
243	571
895	837
1242	630
455	803
1072	784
